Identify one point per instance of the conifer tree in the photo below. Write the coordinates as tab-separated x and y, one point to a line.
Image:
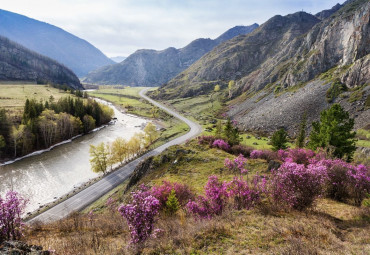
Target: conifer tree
279	140
302	131
334	133
172	203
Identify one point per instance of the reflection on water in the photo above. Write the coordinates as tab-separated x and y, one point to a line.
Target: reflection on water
44	177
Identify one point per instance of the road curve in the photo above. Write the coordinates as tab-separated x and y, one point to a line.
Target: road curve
98	189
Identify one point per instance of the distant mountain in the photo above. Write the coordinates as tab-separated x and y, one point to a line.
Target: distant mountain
153	68
118	59
240	56
289	65
75	53
20	64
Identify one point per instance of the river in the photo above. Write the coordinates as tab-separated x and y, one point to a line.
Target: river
43	178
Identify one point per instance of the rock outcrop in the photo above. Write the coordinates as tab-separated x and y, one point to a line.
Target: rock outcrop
17	247
286	67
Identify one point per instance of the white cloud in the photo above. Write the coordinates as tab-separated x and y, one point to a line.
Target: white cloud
119	27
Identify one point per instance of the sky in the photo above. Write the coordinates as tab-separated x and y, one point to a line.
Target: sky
120	27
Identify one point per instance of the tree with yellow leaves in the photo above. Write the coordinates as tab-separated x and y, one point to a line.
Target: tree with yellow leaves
151	133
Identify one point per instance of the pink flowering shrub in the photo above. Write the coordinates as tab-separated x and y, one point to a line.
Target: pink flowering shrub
11	210
140	214
214	201
244	196
346	181
264	154
241	149
161	192
206	140
359	179
239	164
296	185
221	144
297	155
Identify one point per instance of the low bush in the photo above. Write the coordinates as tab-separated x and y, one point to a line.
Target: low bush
162	192
140	214
241	149
206	140
214	201
221	144
297	186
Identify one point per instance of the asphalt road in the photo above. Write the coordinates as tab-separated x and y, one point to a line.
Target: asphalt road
87	196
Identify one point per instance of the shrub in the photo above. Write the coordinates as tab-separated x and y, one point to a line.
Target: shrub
11	210
360	183
297	186
140	215
346	180
221	144
214	201
297	155
264	154
243	195
162	192
239	164
241	149
206	140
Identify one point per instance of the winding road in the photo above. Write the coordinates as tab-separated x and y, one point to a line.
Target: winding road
98	189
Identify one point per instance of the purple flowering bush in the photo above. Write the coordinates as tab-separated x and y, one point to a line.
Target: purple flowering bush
297	155
161	192
140	214
239	164
206	140
11	209
241	149
296	185
214	201
264	154
243	196
221	144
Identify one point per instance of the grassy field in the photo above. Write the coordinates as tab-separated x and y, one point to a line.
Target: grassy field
125	97
13	96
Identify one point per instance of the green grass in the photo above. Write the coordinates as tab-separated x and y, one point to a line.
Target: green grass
13	96
363	137
127	98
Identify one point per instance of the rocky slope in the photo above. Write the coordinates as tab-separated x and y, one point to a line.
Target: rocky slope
75	53
283	55
153	68
19	63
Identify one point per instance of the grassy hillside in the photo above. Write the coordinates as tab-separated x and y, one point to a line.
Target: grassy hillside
330	227
14	95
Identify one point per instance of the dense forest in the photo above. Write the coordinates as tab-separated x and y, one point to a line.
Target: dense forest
46	123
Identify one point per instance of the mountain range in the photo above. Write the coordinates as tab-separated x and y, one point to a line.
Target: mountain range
18	63
154	68
75	53
289	65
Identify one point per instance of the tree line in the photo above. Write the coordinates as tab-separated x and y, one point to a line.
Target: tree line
106	155
46	123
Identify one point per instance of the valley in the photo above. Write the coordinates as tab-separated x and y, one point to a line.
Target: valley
255	140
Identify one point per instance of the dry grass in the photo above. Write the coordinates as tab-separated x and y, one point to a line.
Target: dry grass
235	232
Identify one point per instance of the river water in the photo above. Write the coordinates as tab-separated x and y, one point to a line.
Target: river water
43	178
